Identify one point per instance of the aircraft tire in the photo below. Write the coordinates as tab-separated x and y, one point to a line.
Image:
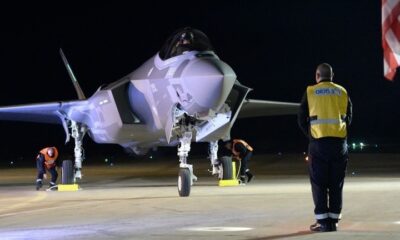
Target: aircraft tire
67	172
184	182
226	168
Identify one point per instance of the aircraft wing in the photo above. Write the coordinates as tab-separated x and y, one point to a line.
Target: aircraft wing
259	108
40	112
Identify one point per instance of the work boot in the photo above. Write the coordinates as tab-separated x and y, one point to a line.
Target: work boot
334	226
39	184
321	227
242	180
249	176
52	187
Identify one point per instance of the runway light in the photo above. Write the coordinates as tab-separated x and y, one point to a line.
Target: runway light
361	145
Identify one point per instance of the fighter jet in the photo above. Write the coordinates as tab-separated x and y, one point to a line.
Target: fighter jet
185	93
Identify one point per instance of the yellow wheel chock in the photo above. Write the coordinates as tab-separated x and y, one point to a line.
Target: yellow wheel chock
230	182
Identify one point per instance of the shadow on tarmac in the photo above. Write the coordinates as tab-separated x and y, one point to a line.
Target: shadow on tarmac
283	236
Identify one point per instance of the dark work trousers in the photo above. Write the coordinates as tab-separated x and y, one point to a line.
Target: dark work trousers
327	167
244	163
41	171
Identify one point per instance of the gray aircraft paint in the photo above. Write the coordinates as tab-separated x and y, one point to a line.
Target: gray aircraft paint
189	95
199	82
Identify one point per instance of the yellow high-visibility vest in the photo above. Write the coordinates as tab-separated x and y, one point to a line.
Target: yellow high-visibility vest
327	106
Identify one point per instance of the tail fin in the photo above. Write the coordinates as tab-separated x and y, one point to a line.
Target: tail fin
78	88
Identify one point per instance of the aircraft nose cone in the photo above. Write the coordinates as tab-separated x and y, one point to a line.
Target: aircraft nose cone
209	82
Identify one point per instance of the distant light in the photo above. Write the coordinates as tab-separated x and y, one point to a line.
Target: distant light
306	158
151	157
106	160
361	145
11	163
353	145
304	153
279	153
353	173
112	164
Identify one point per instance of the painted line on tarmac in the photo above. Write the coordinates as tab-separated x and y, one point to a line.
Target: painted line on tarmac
30	211
217	229
39	196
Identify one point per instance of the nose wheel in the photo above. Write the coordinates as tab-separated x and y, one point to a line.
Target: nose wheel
186	176
184	182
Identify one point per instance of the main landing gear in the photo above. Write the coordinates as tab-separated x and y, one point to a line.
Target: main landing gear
71	173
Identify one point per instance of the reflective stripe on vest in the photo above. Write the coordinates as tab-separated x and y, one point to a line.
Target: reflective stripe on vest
325	121
327	104
245	144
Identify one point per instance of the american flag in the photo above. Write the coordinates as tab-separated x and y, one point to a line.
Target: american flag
390	37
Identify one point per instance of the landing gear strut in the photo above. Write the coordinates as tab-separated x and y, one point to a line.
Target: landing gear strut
78	131
213	155
186	176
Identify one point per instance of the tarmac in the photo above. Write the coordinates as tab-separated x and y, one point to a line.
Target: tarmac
139	200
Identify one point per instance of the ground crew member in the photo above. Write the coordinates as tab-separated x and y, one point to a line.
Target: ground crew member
46	160
242	151
324	116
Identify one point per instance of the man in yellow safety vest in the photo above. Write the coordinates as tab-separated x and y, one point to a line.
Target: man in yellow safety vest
324	116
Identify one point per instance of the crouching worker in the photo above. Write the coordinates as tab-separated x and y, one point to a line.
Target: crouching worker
46	160
242	151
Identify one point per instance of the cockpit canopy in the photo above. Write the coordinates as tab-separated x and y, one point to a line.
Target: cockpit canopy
185	39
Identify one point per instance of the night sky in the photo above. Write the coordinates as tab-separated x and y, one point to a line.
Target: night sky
273	46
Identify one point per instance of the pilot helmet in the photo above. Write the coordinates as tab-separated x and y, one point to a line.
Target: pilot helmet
186	37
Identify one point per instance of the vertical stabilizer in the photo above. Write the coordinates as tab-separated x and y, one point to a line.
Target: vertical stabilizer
78	89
